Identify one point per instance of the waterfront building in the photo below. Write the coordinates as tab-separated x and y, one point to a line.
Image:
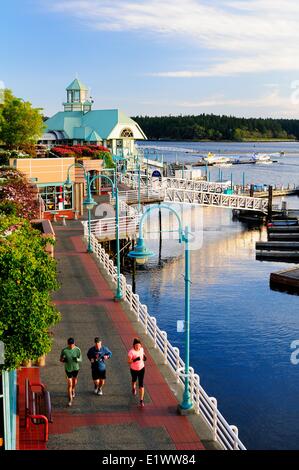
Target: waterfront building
50	174
80	124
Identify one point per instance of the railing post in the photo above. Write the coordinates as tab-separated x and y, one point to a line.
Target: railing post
123	285
197	393
236	437
145	318
191	383
130	296
165	346
138	307
215	418
154	321
177	358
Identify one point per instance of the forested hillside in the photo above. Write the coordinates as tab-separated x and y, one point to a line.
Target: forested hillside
213	127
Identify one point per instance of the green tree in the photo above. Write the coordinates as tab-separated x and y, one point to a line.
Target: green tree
20	123
27	277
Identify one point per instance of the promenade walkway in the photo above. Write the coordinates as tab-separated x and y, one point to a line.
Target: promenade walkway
112	421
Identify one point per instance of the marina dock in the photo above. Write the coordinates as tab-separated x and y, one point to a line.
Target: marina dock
286	280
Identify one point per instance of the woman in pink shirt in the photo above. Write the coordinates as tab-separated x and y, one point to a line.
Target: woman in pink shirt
136	360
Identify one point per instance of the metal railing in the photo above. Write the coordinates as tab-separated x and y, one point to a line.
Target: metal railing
105	228
233	201
205	406
194	192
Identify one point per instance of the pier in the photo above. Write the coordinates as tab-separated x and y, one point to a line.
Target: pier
113	421
286	280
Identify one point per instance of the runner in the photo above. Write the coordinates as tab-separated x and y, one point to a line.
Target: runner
97	355
136	359
71	356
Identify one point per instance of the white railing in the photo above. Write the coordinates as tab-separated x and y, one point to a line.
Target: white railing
131	180
223	433
195	185
194	192
233	201
145	195
105	229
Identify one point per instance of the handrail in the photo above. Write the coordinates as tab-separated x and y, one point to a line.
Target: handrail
223	433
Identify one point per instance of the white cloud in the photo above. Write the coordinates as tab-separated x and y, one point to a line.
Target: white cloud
252	36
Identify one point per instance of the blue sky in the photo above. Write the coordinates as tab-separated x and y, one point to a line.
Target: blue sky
155	57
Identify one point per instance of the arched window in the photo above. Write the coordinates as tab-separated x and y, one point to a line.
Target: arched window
127	133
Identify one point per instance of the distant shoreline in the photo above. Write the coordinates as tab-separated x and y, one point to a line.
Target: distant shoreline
223	141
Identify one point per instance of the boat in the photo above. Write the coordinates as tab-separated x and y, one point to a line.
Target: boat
263	158
213	159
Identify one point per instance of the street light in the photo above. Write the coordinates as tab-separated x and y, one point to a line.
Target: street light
88	202
141	253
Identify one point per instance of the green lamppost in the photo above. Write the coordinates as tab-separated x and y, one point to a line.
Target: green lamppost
89	201
141	254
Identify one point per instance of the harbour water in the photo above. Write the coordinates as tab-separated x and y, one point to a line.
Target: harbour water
241	331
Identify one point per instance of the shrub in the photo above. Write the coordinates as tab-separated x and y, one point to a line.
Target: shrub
27	277
15	188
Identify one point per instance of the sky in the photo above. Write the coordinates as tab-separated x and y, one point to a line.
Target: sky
155	57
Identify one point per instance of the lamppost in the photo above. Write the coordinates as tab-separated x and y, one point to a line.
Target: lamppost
90	202
141	254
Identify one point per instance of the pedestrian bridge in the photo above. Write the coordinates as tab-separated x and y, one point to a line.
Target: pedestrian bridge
203	193
199	192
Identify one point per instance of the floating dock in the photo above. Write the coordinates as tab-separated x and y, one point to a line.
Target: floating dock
287	280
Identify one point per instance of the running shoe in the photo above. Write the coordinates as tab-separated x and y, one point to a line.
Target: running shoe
95	390
134	392
100	391
73	394
70	403
141	404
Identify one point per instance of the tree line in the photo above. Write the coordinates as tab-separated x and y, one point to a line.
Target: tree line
214	127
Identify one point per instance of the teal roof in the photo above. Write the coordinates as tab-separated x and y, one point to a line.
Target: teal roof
76	123
77	85
93	137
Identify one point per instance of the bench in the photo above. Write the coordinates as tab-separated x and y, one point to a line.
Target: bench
63	217
54	213
37	406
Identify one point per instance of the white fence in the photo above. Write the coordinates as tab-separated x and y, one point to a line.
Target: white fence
194	192
105	228
228	201
222	432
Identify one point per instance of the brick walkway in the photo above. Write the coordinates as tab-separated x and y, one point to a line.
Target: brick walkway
112	421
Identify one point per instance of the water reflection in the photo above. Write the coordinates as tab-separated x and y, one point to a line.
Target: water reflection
240	329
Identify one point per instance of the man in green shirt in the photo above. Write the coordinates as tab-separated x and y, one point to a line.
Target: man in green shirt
71	356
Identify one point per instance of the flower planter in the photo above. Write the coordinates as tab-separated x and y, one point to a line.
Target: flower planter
27	363
41	362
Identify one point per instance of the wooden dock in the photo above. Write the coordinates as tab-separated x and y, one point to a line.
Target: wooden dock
278	256
277	246
287	280
283	230
286	236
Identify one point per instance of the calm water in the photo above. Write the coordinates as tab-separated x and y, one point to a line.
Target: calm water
241	331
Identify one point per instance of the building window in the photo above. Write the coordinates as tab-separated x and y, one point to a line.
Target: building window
56	198
127	133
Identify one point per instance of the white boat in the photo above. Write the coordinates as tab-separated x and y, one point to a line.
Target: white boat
262	158
217	160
